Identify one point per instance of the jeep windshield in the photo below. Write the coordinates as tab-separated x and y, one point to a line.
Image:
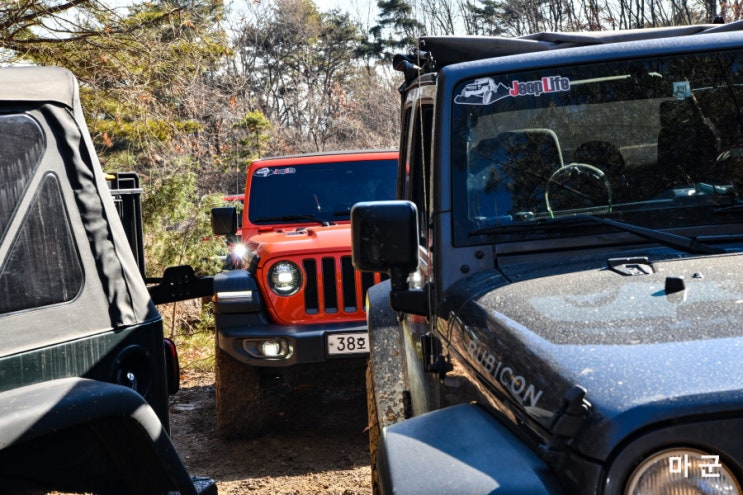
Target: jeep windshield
318	192
655	143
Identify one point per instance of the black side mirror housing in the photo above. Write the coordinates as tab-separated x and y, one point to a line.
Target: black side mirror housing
224	220
384	238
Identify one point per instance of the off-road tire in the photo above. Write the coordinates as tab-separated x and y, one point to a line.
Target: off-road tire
240	411
373	429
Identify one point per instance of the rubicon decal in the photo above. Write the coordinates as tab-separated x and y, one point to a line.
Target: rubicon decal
507	376
484	90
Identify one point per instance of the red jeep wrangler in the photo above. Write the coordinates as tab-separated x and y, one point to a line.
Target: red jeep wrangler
293	312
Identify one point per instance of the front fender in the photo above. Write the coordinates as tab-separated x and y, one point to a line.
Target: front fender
463	450
236	291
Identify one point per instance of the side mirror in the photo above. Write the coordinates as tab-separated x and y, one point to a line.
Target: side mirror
224	220
384	238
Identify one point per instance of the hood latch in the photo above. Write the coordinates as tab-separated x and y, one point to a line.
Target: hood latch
630	266
568	418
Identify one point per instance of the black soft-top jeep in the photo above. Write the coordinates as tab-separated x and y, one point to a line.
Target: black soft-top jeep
569	228
84	378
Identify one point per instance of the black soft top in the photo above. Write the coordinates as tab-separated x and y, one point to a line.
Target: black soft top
39	84
51	96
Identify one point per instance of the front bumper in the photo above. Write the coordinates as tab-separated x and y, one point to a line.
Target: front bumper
305	343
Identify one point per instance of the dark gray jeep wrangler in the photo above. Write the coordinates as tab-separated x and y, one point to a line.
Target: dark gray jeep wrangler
84	370
569	229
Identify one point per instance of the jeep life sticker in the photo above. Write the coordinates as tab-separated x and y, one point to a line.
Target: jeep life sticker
266	171
484	91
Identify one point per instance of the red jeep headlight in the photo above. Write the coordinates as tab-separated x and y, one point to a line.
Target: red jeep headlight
284	278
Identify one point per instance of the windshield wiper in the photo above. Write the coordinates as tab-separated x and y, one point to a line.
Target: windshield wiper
728	208
291	218
682	243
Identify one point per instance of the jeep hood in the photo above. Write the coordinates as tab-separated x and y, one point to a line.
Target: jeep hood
643	352
309	240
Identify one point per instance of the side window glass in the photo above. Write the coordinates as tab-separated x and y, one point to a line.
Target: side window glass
403	173
21	146
42	266
420	167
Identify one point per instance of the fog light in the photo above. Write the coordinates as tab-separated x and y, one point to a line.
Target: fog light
274	348
270	349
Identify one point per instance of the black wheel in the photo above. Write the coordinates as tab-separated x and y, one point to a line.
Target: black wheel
240	411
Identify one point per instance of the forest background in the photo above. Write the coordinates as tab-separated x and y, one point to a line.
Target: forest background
187	92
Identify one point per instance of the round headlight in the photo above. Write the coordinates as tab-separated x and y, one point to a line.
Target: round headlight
284	278
682	472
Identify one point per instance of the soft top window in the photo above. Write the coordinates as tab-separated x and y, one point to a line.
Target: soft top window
21	146
42	265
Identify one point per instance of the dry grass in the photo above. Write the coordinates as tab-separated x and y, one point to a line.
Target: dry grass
191	326
196	351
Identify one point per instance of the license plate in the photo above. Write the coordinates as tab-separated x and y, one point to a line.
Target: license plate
348	343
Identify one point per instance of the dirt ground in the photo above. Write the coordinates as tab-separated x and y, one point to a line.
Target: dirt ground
320	447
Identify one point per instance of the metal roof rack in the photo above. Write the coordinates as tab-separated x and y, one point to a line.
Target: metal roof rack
435	52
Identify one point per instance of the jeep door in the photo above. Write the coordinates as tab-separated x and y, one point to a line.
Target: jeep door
415	184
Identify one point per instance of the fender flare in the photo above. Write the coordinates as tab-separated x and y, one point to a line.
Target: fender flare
236	291
35	414
463	450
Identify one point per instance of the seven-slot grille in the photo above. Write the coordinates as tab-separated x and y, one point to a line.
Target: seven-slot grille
333	286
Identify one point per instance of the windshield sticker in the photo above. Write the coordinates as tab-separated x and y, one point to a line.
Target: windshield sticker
484	91
266	171
681	90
